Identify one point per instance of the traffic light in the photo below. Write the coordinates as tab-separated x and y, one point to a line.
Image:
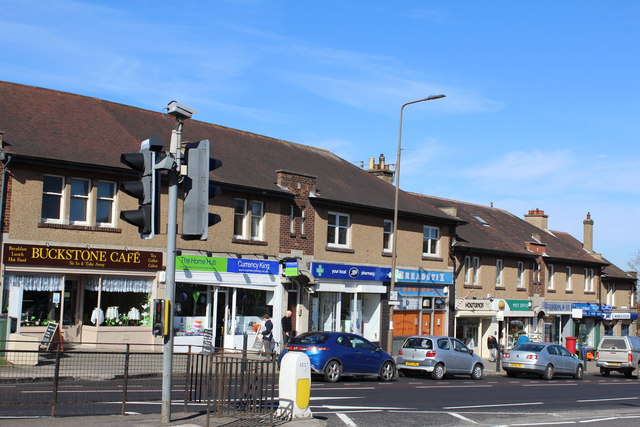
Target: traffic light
160	318
198	190
146	189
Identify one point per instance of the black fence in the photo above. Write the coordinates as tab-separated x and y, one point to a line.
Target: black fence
218	381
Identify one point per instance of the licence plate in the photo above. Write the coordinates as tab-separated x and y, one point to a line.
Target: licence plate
412	363
516	365
614	364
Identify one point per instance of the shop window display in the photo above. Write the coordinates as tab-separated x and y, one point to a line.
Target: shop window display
116	309
191	309
251	306
39	308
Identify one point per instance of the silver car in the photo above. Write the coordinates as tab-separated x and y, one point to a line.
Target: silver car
544	359
438	356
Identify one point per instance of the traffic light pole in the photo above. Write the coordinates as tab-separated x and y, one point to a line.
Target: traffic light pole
167	360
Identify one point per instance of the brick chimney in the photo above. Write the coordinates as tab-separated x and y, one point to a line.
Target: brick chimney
536	217
587	240
381	170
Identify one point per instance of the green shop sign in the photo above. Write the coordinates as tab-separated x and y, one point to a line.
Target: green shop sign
226	265
518	304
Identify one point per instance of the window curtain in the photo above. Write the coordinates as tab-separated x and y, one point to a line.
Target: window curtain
119	284
35	282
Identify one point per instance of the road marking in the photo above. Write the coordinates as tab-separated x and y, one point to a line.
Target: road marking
455	386
342	388
546	385
597	420
493	405
336	398
606	399
381	408
469	420
345	419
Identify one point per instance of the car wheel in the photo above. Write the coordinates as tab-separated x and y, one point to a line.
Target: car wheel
388	371
627	374
604	372
438	372
548	373
579	373
476	374
332	371
511	374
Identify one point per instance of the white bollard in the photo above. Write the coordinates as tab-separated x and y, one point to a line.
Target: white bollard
295	386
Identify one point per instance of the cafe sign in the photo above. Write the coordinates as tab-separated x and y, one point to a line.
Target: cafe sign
75	257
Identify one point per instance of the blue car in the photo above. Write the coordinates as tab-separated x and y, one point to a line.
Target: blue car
337	354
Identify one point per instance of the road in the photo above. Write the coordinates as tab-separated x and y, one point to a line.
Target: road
494	400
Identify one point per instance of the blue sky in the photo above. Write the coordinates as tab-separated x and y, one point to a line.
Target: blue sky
542	106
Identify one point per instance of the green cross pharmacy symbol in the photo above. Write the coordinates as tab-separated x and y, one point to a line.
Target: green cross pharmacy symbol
319	270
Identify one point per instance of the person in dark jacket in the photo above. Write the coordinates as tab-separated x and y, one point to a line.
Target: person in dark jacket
267	334
492	344
286	327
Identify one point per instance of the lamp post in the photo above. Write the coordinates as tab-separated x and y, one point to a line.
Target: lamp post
394	247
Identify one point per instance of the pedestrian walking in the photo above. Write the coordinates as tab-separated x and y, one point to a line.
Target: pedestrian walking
492	344
267	333
286	328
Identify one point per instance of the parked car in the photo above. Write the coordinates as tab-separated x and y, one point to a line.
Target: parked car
438	356
337	354
545	359
620	354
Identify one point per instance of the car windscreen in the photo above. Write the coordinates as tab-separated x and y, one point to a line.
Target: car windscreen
536	348
309	338
422	343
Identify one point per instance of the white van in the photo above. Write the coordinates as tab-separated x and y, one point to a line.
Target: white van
620	354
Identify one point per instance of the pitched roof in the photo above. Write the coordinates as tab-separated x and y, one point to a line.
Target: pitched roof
494	230
48	124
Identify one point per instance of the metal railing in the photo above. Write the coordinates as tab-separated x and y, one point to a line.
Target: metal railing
226	382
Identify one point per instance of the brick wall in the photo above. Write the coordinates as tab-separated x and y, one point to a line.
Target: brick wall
297	239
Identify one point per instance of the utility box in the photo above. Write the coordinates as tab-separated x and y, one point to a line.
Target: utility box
295	386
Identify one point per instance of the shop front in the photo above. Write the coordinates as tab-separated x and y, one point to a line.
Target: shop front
475	322
422	308
348	298
587	319
515	318
225	299
555	322
621	323
98	296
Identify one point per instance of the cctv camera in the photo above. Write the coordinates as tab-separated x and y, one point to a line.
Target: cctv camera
180	111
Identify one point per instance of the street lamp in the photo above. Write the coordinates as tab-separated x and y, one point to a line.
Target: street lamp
394	247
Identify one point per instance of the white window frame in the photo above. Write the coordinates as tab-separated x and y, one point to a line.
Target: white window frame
336	230
292	219
387	233
62	199
111	199
567	285
303	218
611	294
499	269
433	242
536	271
632	297
476	270
256	220
520	280
86	198
588	279
240	217
550	279
467	270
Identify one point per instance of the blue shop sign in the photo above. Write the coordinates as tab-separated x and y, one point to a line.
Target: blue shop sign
323	270
426	277
252	266
423	291
557	307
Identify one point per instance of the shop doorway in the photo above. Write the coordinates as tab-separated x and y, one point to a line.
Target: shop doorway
220	314
292	305
70	309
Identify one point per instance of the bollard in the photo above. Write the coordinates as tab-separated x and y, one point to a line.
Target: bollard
295	386
499	358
